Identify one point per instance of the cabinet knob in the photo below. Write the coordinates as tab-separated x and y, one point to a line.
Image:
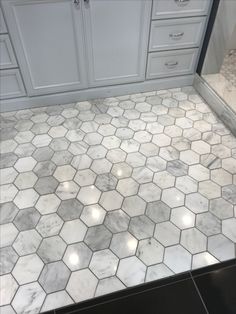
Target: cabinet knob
182	2
171	64
76	2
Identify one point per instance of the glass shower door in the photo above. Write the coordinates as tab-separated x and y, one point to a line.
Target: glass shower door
219	68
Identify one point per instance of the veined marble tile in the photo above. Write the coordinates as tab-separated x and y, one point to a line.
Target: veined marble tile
109	193
131	271
29	298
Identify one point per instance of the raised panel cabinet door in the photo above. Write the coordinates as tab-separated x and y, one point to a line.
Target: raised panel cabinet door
48	39
116	33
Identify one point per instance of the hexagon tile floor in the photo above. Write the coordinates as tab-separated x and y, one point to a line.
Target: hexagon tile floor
102	195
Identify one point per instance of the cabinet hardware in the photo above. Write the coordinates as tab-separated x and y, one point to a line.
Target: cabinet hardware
76	2
182	2
176	35
86	1
171	64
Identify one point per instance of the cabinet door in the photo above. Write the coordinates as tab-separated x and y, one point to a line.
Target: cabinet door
116	35
48	39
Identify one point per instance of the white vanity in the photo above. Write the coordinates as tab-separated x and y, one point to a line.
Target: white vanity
60	51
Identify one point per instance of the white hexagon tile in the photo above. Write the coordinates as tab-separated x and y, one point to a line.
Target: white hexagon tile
102	195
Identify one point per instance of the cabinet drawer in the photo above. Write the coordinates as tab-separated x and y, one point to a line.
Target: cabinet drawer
3	28
7	59
11	84
171	63
178	8
176	33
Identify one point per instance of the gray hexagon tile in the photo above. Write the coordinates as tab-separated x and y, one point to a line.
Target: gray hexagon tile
55	300
158	271
54	276
27	219
77	256
8	212
8	258
131	271
104	194
123	244
27	269
51	249
104	264
82	285
150	252
8	288
108	285
70	209
27	242
73	231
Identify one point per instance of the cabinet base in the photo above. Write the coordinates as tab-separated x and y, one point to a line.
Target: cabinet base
93	93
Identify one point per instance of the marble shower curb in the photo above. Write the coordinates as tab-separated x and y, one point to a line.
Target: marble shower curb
226	114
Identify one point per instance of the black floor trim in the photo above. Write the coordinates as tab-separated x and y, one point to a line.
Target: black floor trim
217	287
209	290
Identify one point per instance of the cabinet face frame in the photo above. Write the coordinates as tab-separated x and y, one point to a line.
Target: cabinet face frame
14	74
144	25
3	27
6	44
10	10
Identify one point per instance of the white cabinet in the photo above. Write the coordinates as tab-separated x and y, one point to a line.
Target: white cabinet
116	34
49	43
66	45
70	50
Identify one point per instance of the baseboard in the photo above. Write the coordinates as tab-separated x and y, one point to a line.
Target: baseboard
93	93
217	104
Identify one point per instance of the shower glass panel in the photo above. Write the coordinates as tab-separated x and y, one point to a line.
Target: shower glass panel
219	68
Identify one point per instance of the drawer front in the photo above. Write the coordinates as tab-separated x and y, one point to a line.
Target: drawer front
171	63
178	8
11	84
176	33
7	59
3	28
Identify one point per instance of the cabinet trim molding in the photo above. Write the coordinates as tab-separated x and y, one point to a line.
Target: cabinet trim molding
13	88
94	93
6	45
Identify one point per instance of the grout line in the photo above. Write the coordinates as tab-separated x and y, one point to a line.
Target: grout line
199	293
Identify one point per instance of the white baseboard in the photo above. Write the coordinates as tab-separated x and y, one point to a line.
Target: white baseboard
93	93
217	104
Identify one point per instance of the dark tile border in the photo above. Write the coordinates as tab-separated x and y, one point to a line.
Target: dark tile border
217	288
125	293
144	288
214	267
